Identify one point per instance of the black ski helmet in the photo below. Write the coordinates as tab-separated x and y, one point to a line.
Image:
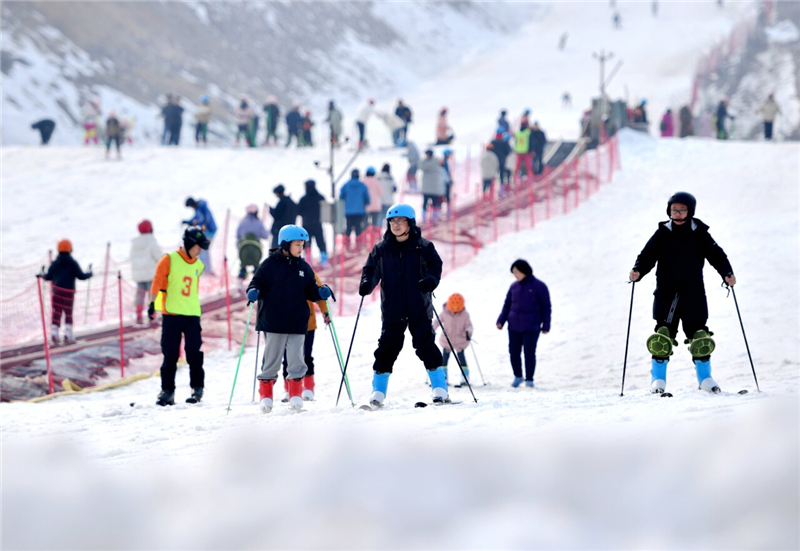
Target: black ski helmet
193	235
683	198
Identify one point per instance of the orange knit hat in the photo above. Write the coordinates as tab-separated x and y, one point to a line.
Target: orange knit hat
455	303
65	246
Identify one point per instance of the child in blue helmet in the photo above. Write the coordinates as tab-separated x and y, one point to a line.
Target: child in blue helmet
283	285
680	247
408	269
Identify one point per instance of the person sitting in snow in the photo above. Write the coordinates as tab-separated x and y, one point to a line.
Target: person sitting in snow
283	285
680	247
458	329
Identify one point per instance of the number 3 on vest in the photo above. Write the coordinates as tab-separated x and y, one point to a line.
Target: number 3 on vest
186	291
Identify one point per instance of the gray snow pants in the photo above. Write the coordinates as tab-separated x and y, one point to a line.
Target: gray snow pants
274	346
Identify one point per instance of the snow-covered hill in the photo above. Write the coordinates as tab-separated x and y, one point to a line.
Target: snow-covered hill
55	56
569	464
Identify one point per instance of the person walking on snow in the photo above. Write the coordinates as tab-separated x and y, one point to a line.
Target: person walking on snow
502	149
294	124
362	118
355	195
244	118
502	123
458	327
444	133
308	208
388	187
490	166
680	247
283	214
667	125
374	208
412	154
205	220
249	234
722	114
769	110
272	114
113	133
523	149
527	311
175	288
334	120
202	116
538	142
63	272
91	116
145	254
433	186
409	269
283	285
404	112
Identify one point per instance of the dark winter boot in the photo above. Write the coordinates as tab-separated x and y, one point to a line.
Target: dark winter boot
660	344
197	395
165	398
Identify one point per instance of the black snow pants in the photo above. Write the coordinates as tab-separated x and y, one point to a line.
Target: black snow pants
391	343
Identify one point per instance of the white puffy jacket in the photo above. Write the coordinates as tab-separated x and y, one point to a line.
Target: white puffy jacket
145	254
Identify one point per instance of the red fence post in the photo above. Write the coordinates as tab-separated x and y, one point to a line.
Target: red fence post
121	329
227	299
341	274
105	280
576	179
533	205
516	205
50	385
494	214
547	191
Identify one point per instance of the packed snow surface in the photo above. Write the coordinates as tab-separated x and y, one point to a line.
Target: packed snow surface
569	464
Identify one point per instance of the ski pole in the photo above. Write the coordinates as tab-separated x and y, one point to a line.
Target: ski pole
241	351
476	362
255	369
338	351
444	332
347	361
627	338
745	338
88	293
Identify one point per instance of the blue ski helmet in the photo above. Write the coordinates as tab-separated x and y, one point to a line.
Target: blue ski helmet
370	171
204	99
401	210
290	233
447	152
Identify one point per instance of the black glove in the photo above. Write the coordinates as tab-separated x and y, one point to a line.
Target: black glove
365	286
151	311
427	284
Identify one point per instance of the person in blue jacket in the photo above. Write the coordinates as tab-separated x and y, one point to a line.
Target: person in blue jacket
205	220
527	311
356	198
283	285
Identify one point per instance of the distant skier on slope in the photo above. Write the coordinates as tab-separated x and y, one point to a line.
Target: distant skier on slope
680	247
63	272
408	269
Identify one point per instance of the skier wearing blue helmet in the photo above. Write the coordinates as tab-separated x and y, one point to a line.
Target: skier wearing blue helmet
283	285
408	269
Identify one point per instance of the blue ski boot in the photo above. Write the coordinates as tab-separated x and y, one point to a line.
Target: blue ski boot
517	381
438	386
380	382
658	374
464	382
704	379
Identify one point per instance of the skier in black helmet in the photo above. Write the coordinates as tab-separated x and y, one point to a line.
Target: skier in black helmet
680	247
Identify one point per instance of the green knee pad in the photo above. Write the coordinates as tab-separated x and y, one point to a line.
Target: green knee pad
701	345
660	344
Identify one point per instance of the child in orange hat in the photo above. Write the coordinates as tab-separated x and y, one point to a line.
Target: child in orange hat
63	272
458	326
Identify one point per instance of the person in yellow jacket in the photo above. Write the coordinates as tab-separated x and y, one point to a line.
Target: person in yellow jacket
308	346
176	297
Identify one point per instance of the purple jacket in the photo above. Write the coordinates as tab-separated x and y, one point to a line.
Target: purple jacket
527	306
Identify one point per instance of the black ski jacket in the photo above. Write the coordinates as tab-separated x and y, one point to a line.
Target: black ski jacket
681	252
308	208
284	284
64	270
407	272
285	212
